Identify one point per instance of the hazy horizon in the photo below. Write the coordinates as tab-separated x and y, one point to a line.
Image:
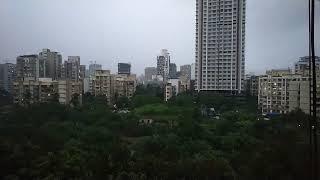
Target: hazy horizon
110	31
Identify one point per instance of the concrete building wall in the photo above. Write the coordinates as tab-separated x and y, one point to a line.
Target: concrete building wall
149	72
185	72
72	68
50	64
7	76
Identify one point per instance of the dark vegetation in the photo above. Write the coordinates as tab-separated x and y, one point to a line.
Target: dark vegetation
50	141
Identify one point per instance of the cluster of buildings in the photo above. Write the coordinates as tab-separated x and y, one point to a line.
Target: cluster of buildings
281	91
219	67
166	74
44	77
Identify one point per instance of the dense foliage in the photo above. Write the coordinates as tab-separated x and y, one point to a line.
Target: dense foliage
50	141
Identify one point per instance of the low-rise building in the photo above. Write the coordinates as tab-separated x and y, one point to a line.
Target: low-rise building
30	91
125	85
283	94
102	84
68	90
44	90
273	93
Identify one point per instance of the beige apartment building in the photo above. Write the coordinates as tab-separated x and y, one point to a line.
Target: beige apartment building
43	90
67	89
103	83
30	91
273	94
283	93
125	85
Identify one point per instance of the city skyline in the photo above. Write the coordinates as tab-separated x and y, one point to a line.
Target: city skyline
114	41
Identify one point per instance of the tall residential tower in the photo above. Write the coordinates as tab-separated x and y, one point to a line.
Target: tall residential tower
220	45
163	64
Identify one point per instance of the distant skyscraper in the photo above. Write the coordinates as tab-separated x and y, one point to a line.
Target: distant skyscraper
185	72
72	68
172	71
220	45
93	68
7	76
163	64
124	68
27	67
50	64
149	72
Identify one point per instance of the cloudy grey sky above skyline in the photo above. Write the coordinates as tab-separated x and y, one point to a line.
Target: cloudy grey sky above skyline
111	31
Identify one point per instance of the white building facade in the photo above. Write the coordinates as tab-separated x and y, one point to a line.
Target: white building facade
220	45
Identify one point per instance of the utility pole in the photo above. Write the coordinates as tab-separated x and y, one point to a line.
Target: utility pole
313	82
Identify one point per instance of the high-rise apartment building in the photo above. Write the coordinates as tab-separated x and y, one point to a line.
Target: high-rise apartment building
7	76
124	68
27	67
173	71
163	64
220	45
185	72
72	68
149	72
50	64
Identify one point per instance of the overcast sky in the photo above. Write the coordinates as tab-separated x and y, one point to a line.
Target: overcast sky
111	31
